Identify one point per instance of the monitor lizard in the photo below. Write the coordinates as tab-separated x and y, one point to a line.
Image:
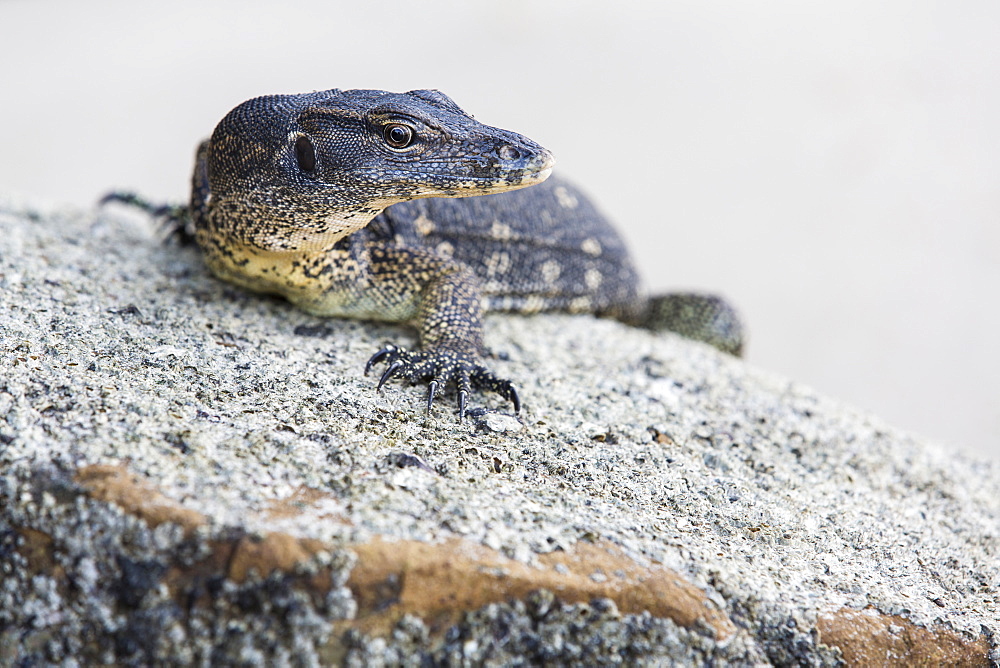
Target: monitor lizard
358	203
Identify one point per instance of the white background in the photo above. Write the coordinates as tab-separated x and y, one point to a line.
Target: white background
832	167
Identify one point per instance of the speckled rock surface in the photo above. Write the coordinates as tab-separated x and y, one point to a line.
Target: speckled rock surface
190	473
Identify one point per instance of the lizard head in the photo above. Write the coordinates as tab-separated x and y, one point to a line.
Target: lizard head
303	171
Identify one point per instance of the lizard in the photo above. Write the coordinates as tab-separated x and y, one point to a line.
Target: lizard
402	207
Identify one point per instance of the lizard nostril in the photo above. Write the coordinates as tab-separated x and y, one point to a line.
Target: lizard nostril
508	152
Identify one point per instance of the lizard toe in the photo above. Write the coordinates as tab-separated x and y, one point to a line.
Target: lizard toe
431	391
484	379
440	368
386	352
393	368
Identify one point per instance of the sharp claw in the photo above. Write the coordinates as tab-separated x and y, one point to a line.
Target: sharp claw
431	391
378	357
387	374
514	399
463	396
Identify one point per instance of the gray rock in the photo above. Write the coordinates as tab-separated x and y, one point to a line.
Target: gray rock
190	473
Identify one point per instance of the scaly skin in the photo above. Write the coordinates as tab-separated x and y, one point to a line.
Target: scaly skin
285	180
322	198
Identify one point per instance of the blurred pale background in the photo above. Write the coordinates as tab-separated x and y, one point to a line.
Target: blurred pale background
833	167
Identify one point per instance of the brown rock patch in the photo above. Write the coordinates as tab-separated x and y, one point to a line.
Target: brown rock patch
36	548
268	553
118	486
439	582
302	498
869	638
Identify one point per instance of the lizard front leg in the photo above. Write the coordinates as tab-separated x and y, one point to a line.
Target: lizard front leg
447	305
367	279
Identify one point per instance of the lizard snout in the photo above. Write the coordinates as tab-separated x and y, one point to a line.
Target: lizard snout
524	162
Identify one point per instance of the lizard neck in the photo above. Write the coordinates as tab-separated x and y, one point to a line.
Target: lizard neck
276	257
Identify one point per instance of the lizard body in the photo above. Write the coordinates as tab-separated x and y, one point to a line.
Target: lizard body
359	204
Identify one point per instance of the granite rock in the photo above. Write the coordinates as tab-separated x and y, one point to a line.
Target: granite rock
193	474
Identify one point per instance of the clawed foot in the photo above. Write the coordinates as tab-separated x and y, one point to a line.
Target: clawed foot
439	367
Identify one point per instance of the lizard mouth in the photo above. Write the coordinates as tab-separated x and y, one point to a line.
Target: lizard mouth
500	178
518	180
533	171
541	174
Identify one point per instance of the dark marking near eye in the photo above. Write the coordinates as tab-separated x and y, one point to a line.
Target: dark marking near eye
305	153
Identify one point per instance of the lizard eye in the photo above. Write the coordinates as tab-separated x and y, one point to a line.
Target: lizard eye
305	153
398	135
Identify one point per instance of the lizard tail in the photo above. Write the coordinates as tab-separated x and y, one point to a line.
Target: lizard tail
174	219
702	317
